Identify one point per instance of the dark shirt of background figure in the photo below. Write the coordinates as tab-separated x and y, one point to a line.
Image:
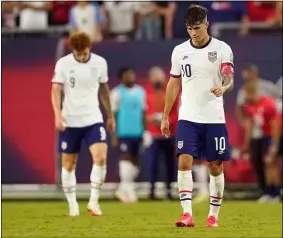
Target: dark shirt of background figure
179	9
179	28
226	11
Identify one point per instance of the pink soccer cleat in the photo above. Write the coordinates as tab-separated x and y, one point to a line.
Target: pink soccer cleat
185	221
211	222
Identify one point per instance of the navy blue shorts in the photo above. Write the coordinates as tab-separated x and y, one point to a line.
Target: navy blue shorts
203	141
130	145
71	138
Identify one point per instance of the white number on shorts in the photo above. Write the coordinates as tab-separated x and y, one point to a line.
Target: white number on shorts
102	133
220	143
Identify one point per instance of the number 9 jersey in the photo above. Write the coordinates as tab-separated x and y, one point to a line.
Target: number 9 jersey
81	83
199	68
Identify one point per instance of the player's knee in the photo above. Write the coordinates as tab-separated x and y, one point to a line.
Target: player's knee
215	167
99	153
69	163
99	158
185	162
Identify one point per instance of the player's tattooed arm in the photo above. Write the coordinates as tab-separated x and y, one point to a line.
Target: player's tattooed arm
104	94
228	77
228	82
248	128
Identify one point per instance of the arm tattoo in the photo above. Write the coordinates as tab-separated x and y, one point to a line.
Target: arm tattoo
228	82
105	98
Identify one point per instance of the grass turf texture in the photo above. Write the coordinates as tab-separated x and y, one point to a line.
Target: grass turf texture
144	219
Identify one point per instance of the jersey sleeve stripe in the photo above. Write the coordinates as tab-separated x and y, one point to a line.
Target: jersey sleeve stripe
175	76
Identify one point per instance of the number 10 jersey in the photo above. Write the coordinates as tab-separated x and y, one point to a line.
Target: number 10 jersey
200	70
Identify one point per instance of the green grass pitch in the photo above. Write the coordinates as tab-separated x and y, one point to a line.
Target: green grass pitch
144	219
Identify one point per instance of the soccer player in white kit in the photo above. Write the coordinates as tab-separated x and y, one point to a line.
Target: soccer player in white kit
204	66
82	76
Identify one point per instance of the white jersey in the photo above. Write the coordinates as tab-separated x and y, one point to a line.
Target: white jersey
81	83
199	68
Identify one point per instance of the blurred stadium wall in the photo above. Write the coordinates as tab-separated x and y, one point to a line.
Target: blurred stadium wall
30	164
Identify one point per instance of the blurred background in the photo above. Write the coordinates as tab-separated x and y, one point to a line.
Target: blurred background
138	35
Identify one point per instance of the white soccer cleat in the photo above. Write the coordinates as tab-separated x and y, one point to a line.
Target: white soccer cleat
122	195
94	210
132	196
74	210
265	198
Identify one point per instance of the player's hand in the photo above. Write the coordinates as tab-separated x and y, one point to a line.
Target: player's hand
217	91
60	123
165	127
111	125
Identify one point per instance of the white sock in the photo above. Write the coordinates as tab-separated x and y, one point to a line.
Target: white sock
185	185
135	171
216	187
69	183
97	177
126	174
202	179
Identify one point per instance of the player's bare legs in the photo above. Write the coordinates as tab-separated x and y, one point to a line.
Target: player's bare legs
216	187
69	181
97	177
185	185
272	174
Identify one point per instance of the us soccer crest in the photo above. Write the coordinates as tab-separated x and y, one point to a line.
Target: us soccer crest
180	144
212	56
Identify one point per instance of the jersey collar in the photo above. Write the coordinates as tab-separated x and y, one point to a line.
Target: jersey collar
200	47
80	61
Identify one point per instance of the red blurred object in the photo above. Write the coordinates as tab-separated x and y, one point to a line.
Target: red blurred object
155	104
262	113
261	11
60	11
239	169
244	164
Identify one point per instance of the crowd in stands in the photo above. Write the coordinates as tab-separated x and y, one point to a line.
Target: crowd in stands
133	20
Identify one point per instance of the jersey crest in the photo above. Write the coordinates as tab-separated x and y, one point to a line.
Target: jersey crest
212	56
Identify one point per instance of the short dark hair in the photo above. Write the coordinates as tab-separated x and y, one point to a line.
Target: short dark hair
195	15
122	71
252	68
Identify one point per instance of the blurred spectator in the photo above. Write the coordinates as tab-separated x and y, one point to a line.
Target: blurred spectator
87	17
60	12
8	14
278	16
227	11
262	135
155	94
150	22
128	105
260	11
174	21
266	88
34	15
123	19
